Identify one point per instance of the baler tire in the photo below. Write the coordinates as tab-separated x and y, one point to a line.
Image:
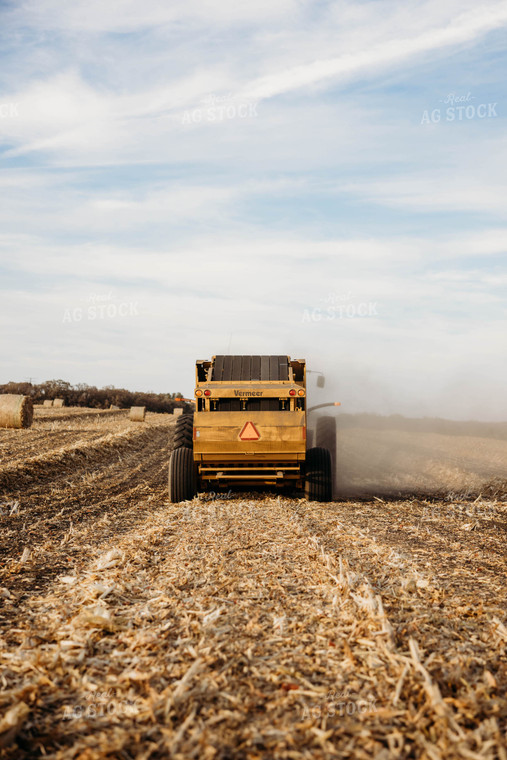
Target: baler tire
182	481
318	477
183	434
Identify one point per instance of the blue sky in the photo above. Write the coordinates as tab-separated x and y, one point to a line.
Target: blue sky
184	179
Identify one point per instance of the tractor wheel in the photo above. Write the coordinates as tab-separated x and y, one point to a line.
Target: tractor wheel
318	481
182	482
309	439
183	434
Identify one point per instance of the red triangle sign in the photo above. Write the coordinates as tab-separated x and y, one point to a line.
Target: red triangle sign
249	432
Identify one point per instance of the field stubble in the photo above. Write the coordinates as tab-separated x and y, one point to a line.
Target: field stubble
251	627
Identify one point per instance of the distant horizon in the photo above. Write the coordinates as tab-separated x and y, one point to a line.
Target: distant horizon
337	411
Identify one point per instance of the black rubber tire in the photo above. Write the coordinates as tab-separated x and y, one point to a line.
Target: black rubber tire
318	477
182	482
309	439
184	432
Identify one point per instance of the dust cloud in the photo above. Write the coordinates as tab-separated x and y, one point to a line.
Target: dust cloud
394	455
402	429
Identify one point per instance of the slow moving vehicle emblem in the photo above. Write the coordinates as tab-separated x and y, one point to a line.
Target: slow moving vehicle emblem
249	432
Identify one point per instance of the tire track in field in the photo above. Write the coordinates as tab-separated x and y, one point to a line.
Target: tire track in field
464	550
76	458
82	511
48	435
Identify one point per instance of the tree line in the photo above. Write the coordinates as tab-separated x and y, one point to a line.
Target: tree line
97	398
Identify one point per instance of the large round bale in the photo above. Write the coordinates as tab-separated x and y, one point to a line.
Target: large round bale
15	411
137	413
58	402
48	402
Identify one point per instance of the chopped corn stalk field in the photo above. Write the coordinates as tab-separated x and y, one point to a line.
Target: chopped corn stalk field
250	626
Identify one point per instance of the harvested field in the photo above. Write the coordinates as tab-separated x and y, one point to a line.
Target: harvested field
57	437
69	412
254	626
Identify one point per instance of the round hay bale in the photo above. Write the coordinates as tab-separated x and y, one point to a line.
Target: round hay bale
15	411
137	413
58	402
48	402
114	407
178	410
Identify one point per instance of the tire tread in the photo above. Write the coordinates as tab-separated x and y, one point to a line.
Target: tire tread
182	485
183	434
318	479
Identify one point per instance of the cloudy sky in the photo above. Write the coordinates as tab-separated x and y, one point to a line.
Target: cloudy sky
323	179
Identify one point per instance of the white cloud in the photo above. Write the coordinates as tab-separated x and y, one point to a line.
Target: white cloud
468	26
441	191
67	116
130	15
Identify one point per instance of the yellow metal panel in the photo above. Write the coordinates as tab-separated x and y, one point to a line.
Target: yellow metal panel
216	420
218	432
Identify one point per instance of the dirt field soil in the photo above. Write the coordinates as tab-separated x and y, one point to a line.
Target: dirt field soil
252	626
